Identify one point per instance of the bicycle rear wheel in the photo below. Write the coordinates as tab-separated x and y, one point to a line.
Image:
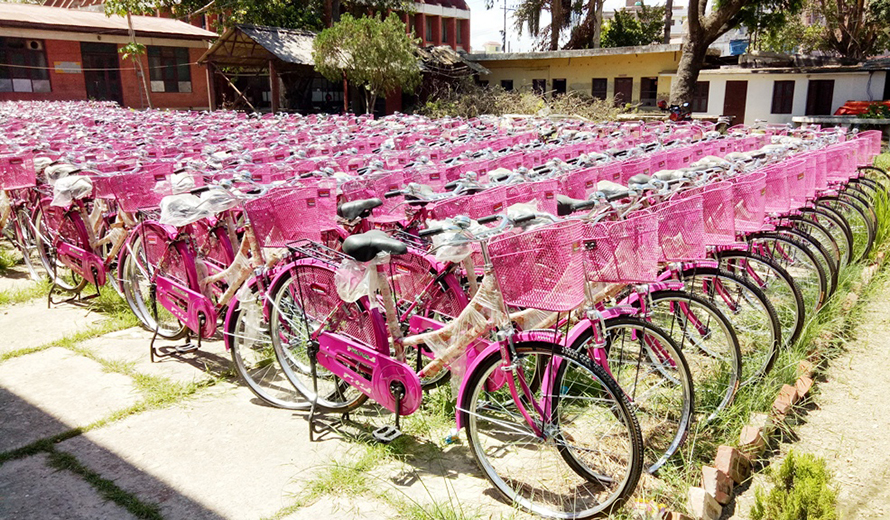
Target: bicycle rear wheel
250	344
586	458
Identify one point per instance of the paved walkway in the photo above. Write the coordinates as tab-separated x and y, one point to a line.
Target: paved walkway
92	429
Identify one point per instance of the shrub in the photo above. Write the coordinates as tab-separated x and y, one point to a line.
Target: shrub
801	490
471	100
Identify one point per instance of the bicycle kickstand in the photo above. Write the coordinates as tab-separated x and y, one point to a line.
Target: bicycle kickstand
388	433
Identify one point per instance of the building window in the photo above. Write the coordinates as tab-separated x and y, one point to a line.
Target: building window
429	29
700	96
459	24
559	86
648	91
23	66
820	97
444	30
599	88
412	24
539	86
169	69
783	97
483	83
507	84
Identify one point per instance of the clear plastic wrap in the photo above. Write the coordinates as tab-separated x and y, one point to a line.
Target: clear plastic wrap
5	209
68	189
183	209
217	200
351	280
58	171
181	182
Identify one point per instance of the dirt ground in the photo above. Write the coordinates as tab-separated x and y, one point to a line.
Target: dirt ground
849	422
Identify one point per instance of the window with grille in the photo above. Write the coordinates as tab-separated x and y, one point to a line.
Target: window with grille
429	29
507	84
460	31
700	96
444	30
599	88
169	69
783	97
23	66
539	86
559	86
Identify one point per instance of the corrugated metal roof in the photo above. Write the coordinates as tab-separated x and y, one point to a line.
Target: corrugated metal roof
288	45
53	18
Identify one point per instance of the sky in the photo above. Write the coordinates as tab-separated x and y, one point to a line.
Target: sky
486	24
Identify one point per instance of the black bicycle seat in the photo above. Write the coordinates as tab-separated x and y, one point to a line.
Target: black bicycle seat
566	205
358	208
365	246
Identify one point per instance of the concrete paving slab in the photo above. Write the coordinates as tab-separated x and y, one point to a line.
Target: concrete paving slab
71	389
132	345
30	489
31	324
233	458
358	508
15	278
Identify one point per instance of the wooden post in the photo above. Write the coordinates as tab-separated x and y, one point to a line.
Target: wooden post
211	85
273	83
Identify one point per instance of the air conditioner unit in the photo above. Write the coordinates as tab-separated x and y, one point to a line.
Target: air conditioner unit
34	45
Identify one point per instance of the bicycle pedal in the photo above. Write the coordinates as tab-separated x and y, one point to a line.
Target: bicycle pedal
387	434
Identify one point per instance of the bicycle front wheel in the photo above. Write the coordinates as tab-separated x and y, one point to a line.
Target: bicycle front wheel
582	458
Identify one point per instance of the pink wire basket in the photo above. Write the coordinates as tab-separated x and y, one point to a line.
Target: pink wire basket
136	191
718	212
681	234
778	194
17	171
285	215
623	251
542	268
749	194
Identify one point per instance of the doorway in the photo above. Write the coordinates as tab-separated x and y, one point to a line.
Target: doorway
820	93
623	90
101	71
734	101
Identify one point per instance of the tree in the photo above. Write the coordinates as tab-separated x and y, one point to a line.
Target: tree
588	33
855	29
704	29
627	29
370	52
528	16
133	50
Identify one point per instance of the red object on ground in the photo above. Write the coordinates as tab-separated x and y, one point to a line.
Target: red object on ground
854	108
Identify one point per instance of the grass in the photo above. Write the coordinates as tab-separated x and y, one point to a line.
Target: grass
8	260
30	292
824	335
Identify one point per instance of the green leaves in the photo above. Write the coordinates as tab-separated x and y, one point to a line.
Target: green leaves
627	29
370	52
801	489
131	50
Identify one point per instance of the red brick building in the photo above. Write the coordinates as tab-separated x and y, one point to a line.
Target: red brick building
49	53
441	22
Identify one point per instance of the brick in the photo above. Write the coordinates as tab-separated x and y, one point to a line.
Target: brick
673	515
732	462
764	421
717	484
703	506
803	385
788	393
752	442
781	408
806	368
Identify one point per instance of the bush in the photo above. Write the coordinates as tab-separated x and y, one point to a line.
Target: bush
471	100
801	490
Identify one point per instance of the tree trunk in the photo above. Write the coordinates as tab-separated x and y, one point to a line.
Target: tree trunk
668	19
555	23
345	95
598	24
691	62
138	59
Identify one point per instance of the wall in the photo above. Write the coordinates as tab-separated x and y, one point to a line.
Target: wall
65	47
847	86
580	71
65	87
197	99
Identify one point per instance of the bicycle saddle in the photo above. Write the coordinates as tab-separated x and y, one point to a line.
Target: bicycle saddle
640	178
365	246
567	205
358	208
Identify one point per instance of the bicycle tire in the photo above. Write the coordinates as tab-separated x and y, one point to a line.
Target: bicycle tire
860	227
799	262
752	315
709	345
775	282
667	412
568	463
